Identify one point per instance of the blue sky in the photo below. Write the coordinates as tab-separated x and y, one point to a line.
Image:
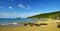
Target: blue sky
25	8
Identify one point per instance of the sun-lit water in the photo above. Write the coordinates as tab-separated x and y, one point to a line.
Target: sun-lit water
11	21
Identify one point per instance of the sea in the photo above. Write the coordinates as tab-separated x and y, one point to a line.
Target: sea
15	21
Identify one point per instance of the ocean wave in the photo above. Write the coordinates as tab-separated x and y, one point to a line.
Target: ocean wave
12	24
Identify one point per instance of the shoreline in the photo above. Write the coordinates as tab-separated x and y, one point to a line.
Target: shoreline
51	26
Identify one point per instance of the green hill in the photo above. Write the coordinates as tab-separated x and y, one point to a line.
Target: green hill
47	15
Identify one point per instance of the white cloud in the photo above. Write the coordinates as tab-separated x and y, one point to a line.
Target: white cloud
7	15
21	6
32	14
14	14
3	15
10	7
24	6
1	7
28	7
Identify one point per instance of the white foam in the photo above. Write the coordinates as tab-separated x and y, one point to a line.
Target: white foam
4	24
14	23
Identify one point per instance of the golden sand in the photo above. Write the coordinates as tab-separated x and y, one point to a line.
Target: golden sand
52	26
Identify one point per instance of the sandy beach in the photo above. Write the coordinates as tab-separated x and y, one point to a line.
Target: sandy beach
52	26
29	15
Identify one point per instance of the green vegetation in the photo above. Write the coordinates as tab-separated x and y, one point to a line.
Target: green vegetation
47	15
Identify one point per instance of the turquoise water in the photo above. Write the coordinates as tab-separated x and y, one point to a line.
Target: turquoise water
9	21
